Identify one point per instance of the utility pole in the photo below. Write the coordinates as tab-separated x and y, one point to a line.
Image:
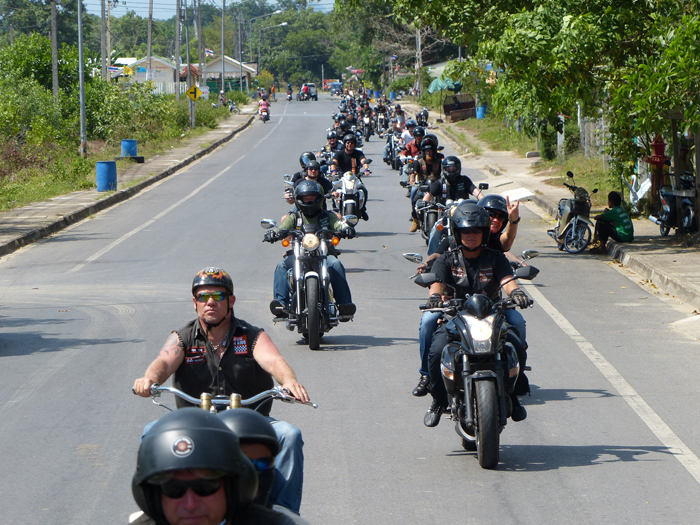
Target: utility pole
178	16
240	51
223	55
189	69
54	51
200	44
150	33
419	61
322	76
108	37
81	81
103	41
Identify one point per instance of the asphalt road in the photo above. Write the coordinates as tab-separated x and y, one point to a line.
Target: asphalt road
611	435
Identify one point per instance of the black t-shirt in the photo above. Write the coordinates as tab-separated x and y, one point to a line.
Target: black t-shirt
323	181
484	274
345	161
462	188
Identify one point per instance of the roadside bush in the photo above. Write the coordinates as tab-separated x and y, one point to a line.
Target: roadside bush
239	97
23	101
402	84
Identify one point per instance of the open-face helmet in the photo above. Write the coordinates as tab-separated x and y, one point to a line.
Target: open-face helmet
470	215
212	277
305	158
496	205
350	138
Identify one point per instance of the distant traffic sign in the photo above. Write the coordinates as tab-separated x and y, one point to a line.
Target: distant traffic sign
194	93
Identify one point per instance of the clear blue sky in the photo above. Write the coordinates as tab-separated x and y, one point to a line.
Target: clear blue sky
163	9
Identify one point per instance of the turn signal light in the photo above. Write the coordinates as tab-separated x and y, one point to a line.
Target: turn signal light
439	227
335	241
285	243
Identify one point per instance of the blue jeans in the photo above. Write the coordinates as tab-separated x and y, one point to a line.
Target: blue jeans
428	325
336	272
289	464
435	238
516	319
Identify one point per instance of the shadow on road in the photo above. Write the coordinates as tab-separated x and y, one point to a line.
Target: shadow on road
540	396
28	343
362	270
345	343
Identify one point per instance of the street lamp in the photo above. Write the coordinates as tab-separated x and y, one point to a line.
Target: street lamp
259	37
250	29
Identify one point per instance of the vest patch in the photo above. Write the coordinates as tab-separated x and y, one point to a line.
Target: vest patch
240	344
458	272
486	274
195	354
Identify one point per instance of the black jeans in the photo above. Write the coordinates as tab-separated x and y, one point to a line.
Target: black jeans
605	230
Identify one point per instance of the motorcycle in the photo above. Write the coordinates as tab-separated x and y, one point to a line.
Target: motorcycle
573	229
264	115
352	199
367	127
422	117
313	310
428	214
381	122
289	96
355	131
668	212
480	367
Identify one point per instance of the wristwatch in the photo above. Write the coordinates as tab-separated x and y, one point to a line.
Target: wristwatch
515	221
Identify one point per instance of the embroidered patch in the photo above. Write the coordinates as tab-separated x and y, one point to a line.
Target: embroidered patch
240	344
195	354
486	274
194	360
458	272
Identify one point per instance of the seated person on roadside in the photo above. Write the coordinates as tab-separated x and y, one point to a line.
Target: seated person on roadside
456	106
613	223
683	163
190	470
222	354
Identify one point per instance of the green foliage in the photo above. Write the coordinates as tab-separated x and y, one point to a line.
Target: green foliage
402	83
264	79
239	97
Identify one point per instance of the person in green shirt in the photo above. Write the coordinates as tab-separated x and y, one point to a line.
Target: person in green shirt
613	223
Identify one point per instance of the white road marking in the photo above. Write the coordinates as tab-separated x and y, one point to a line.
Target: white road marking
650	418
162	214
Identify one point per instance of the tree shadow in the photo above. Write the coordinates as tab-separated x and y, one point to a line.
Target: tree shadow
541	458
345	343
15	344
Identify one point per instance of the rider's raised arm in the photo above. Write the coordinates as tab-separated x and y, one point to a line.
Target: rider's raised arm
162	367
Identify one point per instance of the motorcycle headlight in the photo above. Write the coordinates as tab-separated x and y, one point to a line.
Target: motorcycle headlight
481	331
350	185
310	242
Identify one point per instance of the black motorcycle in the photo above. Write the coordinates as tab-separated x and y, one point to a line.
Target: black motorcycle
480	365
312	309
668	211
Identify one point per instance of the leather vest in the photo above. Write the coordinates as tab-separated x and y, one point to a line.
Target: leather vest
236	372
485	280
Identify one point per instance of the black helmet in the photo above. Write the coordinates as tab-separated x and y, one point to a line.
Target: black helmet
313	164
428	143
186	439
252	427
397	106
344	126
305	158
419	132
411	123
498	205
350	138
213	277
451	167
332	135
341	116
469	214
304	189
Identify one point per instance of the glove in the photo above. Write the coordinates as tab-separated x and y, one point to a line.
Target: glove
349	232
367	172
520	298
270	236
435	301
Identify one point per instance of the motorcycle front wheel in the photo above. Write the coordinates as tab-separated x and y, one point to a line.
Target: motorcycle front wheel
312	313
487	435
664	229
577	238
430	220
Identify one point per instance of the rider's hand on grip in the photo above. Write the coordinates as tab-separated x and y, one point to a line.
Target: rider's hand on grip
349	232
435	301
270	236
520	298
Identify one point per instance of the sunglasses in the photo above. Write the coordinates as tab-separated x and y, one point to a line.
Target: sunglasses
498	216
313	169
263	464
176	488
468	231
217	296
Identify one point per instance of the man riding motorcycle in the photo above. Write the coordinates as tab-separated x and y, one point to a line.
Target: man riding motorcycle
333	145
221	354
350	159
472	268
427	168
309	199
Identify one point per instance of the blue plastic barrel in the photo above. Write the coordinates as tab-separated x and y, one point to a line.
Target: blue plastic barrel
481	111
107	175
392	95
377	94
129	148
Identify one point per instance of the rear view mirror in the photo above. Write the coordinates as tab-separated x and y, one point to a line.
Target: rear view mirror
413	257
570	174
351	220
267	224
526	273
425	279
529	254
483	185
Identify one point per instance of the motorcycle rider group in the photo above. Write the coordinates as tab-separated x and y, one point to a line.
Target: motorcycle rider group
243	466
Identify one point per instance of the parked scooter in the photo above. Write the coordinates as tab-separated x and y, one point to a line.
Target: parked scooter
668	212
481	367
573	230
312	309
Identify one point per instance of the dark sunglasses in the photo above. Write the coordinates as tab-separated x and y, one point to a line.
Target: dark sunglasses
467	231
497	215
217	296
313	169
262	464
176	488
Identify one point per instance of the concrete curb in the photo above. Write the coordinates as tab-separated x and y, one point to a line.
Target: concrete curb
111	200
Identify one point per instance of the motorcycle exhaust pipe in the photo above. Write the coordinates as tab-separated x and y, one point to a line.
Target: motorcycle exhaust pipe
654	220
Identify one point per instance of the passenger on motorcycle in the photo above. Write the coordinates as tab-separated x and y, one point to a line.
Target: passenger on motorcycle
190	469
452	186
260	445
473	268
264	104
333	145
222	354
309	199
427	168
407	134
